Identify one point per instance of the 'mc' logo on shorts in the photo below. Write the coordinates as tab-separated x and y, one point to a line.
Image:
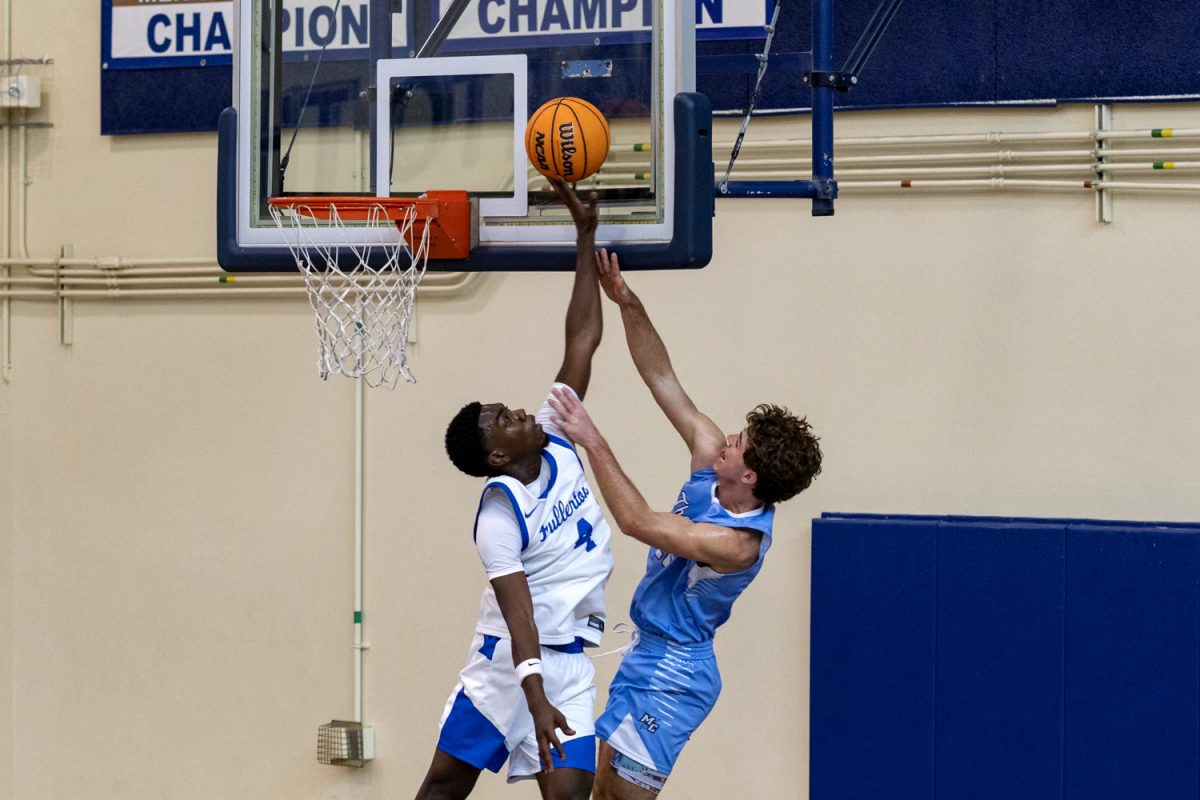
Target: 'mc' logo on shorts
649	723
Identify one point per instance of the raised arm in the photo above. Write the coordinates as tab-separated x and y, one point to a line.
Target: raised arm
585	324
723	549
702	436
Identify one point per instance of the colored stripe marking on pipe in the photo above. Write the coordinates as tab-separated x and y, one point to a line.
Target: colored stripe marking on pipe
1164	165
1162	133
357	617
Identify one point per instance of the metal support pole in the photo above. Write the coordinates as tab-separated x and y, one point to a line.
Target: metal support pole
360	502
822	113
272	106
442	29
874	31
380	48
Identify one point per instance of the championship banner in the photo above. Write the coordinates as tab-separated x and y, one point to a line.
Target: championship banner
170	33
141	34
566	23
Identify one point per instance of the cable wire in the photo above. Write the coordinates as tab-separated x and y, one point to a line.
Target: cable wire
762	71
283	163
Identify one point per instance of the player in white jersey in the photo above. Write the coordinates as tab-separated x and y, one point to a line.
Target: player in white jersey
545	548
702	555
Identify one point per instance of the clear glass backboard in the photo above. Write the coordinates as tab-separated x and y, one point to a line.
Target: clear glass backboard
391	98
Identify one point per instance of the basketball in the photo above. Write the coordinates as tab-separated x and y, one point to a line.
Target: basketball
567	138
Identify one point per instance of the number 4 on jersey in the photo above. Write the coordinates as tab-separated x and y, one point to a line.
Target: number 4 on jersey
585	536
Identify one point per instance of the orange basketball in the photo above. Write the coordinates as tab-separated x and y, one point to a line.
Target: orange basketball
567	138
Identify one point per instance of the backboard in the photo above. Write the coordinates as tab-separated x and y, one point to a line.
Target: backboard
399	97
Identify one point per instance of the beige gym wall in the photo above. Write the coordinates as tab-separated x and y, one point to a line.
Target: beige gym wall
176	507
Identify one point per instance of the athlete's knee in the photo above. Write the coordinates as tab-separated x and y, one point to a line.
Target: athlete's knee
601	791
618	789
569	784
604	787
575	793
434	789
447	779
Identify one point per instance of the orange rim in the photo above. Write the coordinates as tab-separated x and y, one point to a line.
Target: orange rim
359	207
447	214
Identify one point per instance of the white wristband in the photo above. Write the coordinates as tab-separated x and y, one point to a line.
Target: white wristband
532	666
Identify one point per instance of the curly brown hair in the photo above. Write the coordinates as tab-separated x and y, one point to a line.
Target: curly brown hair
783	451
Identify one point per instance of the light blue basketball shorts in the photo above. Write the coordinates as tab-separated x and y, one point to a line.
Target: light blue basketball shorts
658	698
486	721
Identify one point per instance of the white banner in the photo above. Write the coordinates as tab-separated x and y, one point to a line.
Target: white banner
497	19
141	34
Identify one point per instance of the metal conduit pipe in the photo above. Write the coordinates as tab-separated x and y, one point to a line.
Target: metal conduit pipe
1015	169
116	287
983	155
6	361
1133	186
988	137
23	194
981	183
1157	166
231	283
996	170
6	303
111	262
110	270
431	280
1010	183
175	294
128	294
92	278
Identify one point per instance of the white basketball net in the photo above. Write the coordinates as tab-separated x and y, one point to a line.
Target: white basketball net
362	293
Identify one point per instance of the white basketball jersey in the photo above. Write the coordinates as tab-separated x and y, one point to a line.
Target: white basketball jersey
565	548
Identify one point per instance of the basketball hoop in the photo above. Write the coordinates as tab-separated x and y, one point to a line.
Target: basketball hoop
362	289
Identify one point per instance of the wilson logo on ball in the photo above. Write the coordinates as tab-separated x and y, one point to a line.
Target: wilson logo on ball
567	138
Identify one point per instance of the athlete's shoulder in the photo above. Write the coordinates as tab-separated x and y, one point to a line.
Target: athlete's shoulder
558	440
516	492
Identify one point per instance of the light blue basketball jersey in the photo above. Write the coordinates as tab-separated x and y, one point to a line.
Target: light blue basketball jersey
681	600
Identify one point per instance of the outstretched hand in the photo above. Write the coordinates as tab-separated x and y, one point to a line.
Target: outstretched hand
546	719
573	418
585	215
608	268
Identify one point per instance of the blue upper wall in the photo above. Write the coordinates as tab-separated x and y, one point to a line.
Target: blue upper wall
935	53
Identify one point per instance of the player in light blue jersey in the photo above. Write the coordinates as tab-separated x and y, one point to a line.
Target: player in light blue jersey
528	689
702	555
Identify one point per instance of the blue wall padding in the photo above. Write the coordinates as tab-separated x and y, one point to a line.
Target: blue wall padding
163	100
999	661
874	714
933	53
1096	48
1121	523
1066	658
1133	639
